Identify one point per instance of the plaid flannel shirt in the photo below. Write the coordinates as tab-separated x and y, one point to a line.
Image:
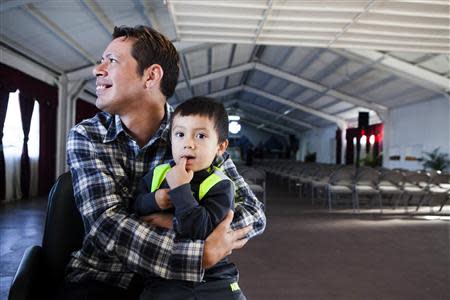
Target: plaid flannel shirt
106	166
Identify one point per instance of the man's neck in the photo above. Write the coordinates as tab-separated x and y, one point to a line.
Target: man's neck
144	124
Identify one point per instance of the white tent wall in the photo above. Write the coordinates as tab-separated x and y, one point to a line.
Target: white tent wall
322	141
415	129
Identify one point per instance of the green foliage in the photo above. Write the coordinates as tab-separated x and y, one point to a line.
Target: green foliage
372	161
435	160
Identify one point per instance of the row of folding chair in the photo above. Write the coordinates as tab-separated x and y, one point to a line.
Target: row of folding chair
375	185
334	183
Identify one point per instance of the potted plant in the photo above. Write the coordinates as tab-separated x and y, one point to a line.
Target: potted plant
436	160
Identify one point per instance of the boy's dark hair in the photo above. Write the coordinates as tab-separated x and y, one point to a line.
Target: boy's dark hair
207	107
151	47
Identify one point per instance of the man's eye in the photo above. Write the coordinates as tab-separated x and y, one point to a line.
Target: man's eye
112	60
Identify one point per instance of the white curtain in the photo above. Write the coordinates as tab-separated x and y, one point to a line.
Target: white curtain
12	148
13	142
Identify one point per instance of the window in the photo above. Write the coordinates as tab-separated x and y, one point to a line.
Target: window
12	130
12	147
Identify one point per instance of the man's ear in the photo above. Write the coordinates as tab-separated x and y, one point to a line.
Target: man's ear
222	147
153	75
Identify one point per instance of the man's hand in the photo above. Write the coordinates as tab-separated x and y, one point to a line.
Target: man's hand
159	219
178	175
162	198
222	241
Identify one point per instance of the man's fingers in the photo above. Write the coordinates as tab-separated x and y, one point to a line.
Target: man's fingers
241	233
239	244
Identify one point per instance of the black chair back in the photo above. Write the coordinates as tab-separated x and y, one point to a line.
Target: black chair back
63	231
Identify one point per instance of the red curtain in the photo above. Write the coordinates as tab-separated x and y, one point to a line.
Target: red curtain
84	110
375	129
26	111
47	96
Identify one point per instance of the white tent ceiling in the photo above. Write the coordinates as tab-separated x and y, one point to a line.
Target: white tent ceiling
283	63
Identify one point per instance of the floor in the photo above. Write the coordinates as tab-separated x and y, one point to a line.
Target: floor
305	252
21	225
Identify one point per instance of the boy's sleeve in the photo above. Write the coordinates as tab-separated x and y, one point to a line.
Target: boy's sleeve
145	202
196	220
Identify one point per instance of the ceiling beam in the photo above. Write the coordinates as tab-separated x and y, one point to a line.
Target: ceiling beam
150	15
52	26
107	24
354	20
225	4
286	76
12	59
216	75
262	22
8	5
272	113
264	122
226	92
340	122
185	70
418	75
29	55
87	97
82	73
319	88
257	126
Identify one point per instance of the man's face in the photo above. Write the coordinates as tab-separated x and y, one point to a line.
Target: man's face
195	138
118	87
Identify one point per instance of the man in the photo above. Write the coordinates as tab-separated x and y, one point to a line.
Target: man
109	154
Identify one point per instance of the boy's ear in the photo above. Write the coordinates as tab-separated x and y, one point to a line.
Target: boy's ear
222	147
153	75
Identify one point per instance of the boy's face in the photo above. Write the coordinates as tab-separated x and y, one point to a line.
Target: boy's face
195	138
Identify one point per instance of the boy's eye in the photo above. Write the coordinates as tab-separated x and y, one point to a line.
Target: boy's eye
201	136
179	134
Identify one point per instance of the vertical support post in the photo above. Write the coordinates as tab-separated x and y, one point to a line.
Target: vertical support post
61	124
68	92
343	127
387	126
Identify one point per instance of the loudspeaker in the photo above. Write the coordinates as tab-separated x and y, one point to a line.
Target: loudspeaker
363	120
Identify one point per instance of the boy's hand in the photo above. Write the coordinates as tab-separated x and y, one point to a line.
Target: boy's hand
178	175
162	198
159	219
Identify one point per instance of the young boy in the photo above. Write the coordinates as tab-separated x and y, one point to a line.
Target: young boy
197	191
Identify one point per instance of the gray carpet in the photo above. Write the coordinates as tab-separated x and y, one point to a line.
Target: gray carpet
305	253
309	254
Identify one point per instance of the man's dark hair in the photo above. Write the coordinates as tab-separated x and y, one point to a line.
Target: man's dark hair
151	47
204	106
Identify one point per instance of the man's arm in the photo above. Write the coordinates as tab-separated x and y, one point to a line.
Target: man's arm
110	226
248	210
